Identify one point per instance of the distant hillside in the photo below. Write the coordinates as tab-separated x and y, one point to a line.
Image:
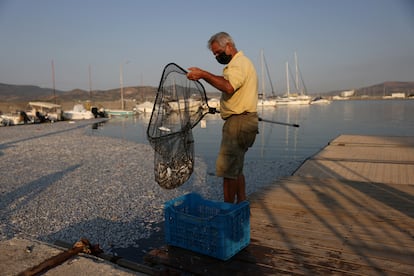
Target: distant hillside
386	89
16	93
139	94
380	90
26	93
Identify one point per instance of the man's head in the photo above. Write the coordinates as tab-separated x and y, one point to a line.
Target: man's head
222	46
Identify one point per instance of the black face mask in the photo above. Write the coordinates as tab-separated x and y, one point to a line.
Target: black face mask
222	58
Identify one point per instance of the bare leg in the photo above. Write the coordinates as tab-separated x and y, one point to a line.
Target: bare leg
230	189
234	188
241	188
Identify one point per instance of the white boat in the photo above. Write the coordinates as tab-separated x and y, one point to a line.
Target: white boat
269	102
188	104
291	101
339	98
215	103
144	107
299	98
45	111
320	100
265	101
11	119
78	113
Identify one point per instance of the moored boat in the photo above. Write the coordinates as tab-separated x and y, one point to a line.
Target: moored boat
45	111
320	100
78	112
144	107
119	112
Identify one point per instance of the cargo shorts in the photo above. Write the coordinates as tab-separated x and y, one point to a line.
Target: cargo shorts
238	134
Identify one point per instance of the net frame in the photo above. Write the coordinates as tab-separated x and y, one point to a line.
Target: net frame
179	106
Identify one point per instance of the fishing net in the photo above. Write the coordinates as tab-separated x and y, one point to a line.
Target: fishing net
179	105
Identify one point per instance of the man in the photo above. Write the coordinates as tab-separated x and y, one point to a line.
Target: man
238	107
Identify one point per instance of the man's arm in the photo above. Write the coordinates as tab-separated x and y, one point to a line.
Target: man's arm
218	82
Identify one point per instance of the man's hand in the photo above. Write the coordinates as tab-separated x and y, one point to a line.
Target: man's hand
195	73
218	82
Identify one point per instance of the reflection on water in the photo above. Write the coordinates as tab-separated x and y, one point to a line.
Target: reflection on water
319	124
397	113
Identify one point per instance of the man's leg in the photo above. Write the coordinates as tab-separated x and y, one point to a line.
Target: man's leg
241	188
230	189
233	188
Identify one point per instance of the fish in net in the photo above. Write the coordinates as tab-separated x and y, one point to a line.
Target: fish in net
179	105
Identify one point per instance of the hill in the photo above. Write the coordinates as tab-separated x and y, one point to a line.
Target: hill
380	90
386	89
20	93
17	93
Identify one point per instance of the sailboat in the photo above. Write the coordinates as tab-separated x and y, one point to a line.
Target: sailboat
265	101
122	111
298	98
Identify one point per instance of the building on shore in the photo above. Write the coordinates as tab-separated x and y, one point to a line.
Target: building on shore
348	93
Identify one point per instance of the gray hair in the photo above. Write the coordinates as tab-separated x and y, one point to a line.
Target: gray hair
222	38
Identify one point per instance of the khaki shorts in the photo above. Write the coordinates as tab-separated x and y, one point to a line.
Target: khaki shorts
239	133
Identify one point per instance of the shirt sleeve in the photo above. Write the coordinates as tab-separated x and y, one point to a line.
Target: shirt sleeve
234	74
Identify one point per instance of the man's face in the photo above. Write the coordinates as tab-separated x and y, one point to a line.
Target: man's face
217	49
221	53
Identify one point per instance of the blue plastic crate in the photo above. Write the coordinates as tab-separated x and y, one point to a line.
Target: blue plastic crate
216	229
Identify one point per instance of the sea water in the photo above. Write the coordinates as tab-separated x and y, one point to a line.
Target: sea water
318	125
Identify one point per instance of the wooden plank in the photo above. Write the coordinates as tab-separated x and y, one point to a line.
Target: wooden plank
320	229
368	140
359	171
362	261
364	158
400	155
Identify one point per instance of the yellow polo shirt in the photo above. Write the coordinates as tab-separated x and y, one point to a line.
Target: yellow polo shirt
241	74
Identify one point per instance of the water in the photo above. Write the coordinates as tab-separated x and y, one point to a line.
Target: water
319	124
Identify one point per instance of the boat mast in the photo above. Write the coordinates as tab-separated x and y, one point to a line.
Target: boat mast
121	80
287	78
90	83
53	79
263	76
297	74
122	86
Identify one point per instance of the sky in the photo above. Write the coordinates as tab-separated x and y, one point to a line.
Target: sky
340	44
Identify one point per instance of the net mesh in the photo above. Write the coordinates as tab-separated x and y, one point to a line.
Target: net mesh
179	105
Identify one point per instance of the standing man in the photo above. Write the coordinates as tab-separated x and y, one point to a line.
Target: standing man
238	107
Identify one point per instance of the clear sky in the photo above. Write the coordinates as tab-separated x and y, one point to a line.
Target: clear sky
340	44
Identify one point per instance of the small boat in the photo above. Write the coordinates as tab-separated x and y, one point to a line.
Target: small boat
144	107
78	113
188	104
320	100
291	100
119	112
45	111
266	103
213	102
10	119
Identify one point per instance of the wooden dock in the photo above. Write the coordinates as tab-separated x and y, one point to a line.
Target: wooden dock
348	210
